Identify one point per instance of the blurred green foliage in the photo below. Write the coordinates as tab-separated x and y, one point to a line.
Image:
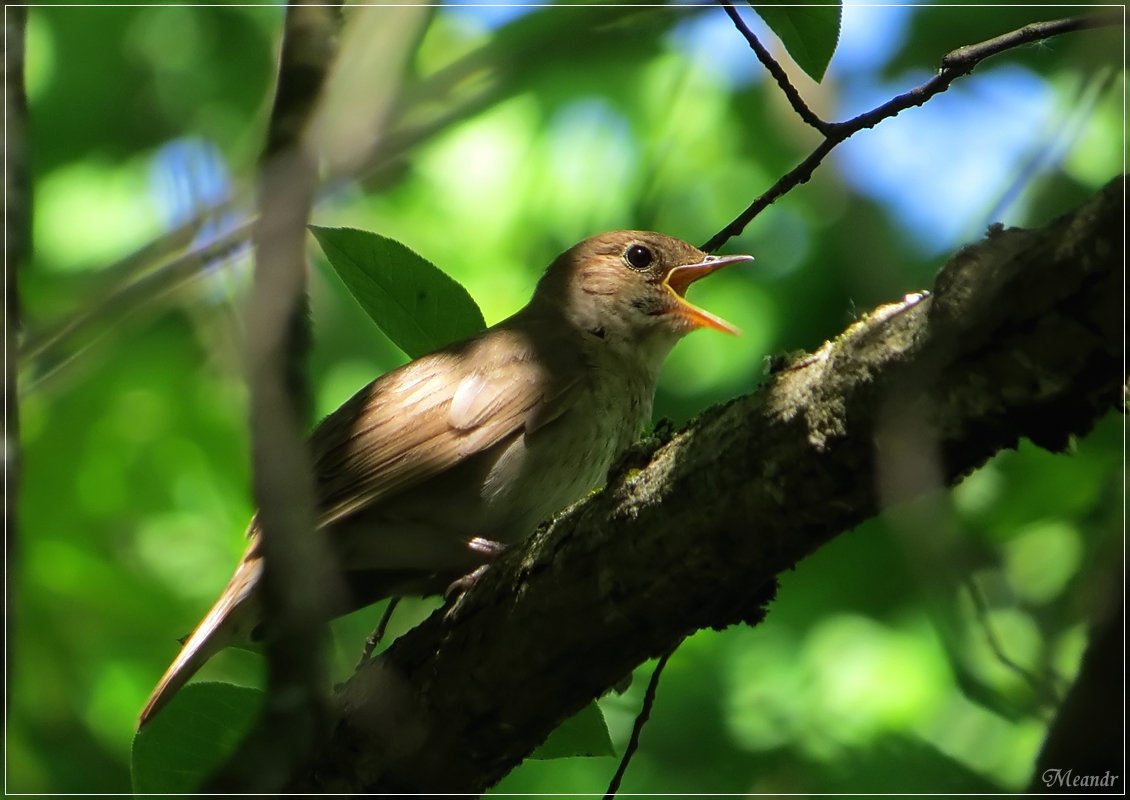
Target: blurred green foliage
879	668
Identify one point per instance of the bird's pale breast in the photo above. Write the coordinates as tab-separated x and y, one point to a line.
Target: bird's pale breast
541	473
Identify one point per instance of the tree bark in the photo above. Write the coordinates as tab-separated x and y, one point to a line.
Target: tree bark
1021	336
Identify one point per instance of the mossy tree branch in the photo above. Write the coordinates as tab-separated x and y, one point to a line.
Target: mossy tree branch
1021	337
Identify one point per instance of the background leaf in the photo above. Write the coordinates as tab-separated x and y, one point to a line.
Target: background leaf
419	306
583	734
810	33
192	736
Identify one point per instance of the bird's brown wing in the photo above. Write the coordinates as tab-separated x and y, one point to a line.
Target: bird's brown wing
430	415
403	429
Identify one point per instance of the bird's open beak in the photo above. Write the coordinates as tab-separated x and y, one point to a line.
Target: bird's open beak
679	278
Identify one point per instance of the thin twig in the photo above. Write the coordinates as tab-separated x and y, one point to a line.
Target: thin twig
120	277
797	175
770	63
958	62
973	54
46	353
412	123
1042	687
641	720
141	278
378	633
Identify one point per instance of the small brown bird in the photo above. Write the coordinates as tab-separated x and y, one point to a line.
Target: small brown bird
485	438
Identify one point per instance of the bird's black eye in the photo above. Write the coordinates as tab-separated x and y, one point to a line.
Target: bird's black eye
638	256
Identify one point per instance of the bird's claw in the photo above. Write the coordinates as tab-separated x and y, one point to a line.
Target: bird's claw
458	587
486	547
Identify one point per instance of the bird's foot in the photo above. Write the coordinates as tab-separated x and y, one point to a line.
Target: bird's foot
487	547
458	587
490	550
455	591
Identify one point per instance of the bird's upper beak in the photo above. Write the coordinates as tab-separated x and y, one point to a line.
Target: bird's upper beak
679	278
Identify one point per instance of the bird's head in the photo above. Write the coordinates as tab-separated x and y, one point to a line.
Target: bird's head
629	288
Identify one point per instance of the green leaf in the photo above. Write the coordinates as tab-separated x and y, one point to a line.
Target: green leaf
809	33
417	305
583	734
192	736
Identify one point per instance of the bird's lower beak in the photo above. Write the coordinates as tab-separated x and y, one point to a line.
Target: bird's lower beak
680	278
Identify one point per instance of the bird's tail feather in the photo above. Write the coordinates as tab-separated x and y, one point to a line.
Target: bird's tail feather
224	623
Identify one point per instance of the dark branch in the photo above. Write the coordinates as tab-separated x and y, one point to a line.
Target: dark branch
295	563
966	58
767	60
641	720
17	245
959	62
794	177
1021	337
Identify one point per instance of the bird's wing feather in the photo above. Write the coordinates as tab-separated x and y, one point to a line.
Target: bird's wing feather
428	416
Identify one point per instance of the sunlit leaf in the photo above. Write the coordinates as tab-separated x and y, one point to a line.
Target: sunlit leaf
418	306
810	33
